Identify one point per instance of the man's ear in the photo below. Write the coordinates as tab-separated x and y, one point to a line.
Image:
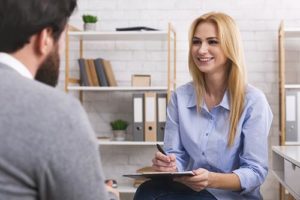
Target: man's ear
44	42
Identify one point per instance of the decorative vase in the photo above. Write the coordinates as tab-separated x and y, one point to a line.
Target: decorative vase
89	26
119	135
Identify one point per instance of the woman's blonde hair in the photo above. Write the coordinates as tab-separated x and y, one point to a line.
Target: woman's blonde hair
230	42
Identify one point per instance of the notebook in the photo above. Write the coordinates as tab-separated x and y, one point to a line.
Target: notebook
153	175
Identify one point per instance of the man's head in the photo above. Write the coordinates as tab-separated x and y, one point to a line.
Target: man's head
38	23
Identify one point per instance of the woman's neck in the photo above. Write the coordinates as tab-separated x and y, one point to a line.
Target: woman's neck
215	87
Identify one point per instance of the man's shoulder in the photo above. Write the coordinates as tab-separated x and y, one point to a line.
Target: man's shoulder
31	92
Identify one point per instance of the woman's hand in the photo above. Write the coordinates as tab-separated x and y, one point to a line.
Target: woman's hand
198	182
164	163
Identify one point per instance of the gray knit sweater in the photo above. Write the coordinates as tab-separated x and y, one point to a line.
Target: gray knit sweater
47	146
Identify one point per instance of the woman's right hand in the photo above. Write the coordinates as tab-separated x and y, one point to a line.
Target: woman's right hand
164	163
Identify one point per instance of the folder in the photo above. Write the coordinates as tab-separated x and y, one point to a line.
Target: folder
161	115
138	117
150	116
292	118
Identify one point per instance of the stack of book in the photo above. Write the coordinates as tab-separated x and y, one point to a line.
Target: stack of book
96	72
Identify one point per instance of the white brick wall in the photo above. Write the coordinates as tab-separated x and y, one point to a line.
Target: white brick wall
258	21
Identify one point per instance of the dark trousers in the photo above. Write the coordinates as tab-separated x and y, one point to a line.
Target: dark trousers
169	190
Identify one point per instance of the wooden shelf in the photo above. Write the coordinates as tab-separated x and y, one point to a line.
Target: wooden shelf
120	35
128	143
292	86
292	143
129	88
291	32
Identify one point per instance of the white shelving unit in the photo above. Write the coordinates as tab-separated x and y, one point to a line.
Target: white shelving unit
283	34
81	36
72	83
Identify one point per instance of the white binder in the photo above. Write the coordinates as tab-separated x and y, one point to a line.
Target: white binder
292	116
138	117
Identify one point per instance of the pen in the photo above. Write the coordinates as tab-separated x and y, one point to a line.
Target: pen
160	149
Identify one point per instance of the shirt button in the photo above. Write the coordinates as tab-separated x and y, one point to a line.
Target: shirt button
203	153
206	134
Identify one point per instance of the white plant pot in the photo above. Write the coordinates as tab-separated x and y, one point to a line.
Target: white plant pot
119	135
89	26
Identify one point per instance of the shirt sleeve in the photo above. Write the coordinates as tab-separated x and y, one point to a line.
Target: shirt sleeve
254	155
172	140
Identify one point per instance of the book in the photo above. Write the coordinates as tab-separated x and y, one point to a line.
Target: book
158	175
109	73
100	72
136	28
88	72
83	73
93	72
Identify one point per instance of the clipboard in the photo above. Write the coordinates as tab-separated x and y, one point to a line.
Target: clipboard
159	175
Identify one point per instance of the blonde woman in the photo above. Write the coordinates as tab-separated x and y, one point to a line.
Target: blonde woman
217	125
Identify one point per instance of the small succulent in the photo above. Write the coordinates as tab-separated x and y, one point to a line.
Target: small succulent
119	124
89	18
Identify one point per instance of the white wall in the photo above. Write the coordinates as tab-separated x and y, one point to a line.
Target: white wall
258	21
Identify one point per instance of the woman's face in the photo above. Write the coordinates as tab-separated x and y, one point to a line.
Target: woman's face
206	50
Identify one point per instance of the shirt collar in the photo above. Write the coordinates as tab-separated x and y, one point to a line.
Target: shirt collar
193	98
15	64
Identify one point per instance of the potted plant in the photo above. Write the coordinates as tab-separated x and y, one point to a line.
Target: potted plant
89	22
119	127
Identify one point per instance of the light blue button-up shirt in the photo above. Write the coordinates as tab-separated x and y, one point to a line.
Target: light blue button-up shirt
199	139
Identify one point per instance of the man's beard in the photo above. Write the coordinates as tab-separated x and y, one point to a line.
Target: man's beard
49	70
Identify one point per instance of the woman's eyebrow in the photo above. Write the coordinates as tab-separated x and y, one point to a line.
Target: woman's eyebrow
209	38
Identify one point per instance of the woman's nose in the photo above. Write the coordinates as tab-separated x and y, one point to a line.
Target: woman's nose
203	48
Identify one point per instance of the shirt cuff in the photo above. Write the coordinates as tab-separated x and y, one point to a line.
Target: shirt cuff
243	174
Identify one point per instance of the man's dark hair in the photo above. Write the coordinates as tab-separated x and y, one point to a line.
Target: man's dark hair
20	19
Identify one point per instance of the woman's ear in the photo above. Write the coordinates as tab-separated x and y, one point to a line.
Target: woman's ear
44	42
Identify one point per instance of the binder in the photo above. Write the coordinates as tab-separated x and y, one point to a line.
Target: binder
150	116
292	118
138	117
161	102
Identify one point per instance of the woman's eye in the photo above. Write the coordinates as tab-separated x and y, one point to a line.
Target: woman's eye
196	42
213	42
